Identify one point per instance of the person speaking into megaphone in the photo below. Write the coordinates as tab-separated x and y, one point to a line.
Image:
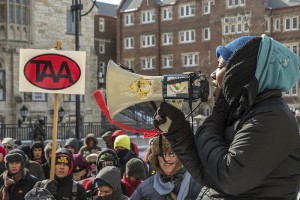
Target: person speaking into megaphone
249	147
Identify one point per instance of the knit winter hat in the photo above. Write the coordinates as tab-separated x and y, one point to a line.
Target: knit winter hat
122	141
155	152
106	136
116	134
227	51
15	155
8	141
2	150
277	66
92	157
80	161
135	167
65	156
107	155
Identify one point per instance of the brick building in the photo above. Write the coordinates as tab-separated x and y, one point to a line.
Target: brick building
173	36
105	38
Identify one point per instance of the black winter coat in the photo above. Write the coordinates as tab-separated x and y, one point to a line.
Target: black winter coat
24	185
65	189
258	157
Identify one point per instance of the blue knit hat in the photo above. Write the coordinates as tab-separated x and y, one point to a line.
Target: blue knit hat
277	66
227	51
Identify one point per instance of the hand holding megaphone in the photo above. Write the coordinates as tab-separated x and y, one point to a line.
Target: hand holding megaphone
169	119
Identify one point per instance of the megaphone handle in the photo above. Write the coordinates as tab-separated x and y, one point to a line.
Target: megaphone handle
177	104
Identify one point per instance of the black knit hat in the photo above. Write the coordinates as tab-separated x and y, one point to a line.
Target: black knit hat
65	156
15	155
135	167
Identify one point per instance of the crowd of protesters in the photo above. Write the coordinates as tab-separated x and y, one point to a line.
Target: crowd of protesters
91	172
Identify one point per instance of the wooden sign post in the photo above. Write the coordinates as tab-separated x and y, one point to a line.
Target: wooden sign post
50	71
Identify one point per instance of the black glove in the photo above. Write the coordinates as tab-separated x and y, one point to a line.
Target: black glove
51	186
168	118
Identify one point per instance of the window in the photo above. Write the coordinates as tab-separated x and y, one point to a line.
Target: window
101	24
129	62
167	38
148	17
235	24
235	3
18	12
167	61
267	25
294	23
293	91
35	96
101	47
101	74
2	84
277	24
71	23
72	98
187	36
128	19
293	47
226	29
187	10
207	7
147	41
287	24
148	63
190	59
167	13
128	43
291	23
206	34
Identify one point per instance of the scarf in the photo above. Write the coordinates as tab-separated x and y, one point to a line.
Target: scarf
165	188
10	182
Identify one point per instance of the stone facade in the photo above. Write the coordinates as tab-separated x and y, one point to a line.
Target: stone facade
46	22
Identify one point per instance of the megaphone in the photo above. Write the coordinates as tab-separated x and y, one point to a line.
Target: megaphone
125	88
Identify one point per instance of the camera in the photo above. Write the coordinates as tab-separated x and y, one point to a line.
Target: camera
190	86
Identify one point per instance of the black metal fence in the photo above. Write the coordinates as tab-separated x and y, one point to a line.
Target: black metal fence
65	130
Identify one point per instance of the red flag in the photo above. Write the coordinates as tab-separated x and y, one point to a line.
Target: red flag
102	105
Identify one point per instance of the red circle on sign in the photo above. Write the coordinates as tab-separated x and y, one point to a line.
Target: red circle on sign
52	71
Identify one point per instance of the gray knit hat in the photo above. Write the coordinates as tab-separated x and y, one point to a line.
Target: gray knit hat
136	168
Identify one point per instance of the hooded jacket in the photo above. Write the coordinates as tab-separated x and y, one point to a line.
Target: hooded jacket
112	176
38	144
74	143
85	150
65	184
255	153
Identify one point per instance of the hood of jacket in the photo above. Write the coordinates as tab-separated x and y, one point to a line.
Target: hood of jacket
74	143
90	136
112	176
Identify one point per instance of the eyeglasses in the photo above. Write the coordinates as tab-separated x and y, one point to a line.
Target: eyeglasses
92	163
171	154
8	147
